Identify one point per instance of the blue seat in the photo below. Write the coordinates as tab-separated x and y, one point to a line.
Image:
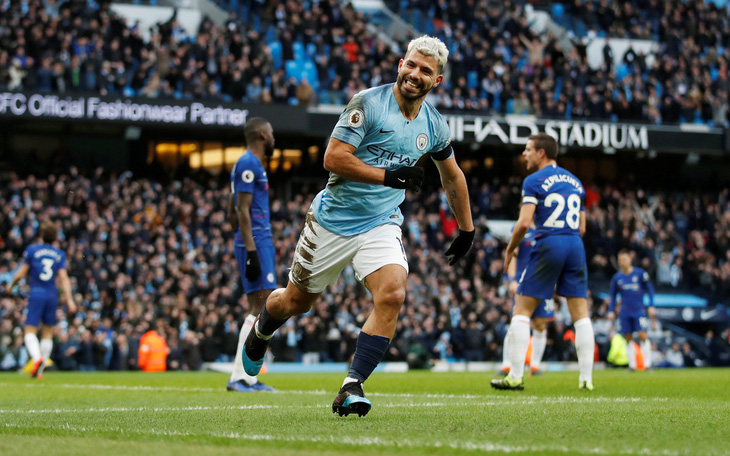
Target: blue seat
621	72
309	71
292	70
472	80
559	13
510	106
311	50
276	52
298	49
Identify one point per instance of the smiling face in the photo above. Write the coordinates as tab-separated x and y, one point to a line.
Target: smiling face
417	75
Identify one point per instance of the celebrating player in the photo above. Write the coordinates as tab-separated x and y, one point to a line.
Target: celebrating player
371	158
553	197
43	263
632	283
254	248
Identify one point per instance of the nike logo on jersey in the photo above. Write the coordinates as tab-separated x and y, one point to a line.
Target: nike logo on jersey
401	180
386	131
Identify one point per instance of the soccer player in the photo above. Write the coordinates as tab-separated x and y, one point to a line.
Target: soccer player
632	283
371	158
43	263
553	197
248	210
544	312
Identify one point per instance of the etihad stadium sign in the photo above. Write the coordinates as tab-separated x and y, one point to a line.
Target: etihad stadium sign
516	130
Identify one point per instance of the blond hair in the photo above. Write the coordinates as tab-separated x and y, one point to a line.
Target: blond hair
430	46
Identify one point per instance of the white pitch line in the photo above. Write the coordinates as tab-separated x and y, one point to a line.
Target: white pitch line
536	399
193	408
481	446
559	400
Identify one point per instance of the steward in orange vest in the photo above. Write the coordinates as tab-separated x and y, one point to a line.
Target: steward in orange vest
152	356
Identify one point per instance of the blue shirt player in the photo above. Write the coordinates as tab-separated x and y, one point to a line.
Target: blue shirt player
632	284
552	199
544	311
371	157
248	210
43	264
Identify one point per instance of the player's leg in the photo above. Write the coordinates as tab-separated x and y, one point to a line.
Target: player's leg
585	341
505	347
573	284
31	342
30	337
539	342
256	293
388	287
627	330
239	380
380	264
645	343
505	356
520	334
319	258
537	283
46	346
284	303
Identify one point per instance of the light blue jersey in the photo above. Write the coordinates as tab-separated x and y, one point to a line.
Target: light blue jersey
383	138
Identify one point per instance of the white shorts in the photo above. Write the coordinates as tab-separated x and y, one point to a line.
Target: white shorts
321	255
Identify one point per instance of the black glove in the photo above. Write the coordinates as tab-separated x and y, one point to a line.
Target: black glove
253	267
408	177
460	246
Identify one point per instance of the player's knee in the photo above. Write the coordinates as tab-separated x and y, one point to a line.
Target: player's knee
392	297
296	302
298	307
539	324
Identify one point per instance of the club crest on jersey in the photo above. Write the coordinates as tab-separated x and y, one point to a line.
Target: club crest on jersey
422	141
356	118
247	176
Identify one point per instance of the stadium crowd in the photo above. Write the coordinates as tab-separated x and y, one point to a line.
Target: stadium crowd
147	255
319	52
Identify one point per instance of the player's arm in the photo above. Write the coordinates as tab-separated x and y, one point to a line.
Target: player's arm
66	287
243	215
20	274
457	195
339	159
513	280
582	227
360	117
527	212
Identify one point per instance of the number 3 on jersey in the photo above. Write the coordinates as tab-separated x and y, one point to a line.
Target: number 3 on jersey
573	215
47	273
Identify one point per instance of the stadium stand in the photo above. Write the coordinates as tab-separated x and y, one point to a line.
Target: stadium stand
145	254
80	47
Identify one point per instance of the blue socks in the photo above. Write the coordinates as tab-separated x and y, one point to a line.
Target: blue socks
368	353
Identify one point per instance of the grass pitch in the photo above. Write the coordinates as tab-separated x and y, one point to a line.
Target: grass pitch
663	412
